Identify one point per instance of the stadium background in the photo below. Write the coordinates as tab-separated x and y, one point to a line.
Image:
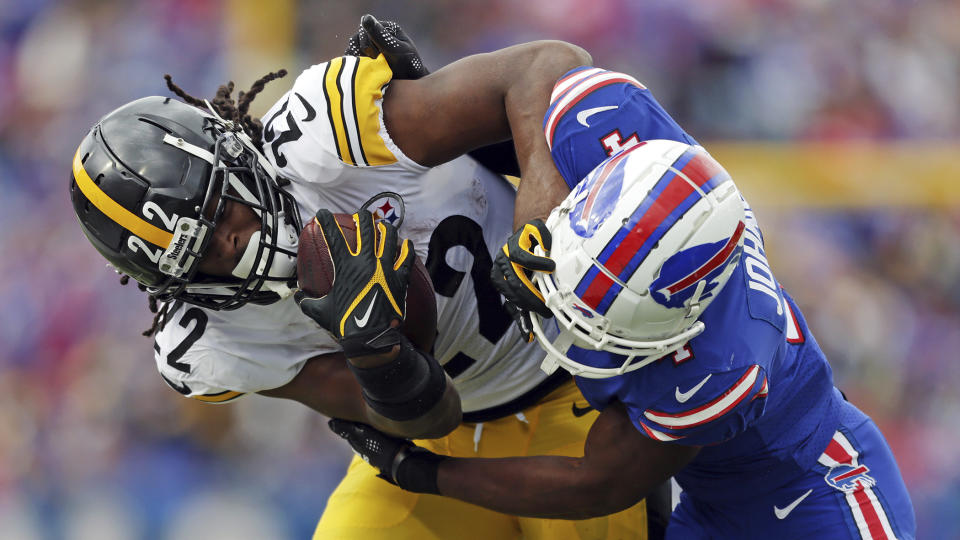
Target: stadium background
857	184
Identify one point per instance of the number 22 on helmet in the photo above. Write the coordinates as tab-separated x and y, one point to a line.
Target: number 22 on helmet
150	183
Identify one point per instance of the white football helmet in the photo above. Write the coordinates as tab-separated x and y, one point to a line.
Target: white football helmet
643	245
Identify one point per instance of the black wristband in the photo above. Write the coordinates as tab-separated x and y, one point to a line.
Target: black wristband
404	388
416	470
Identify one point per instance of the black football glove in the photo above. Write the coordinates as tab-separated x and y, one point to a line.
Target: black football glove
374	38
370	285
513	269
399	461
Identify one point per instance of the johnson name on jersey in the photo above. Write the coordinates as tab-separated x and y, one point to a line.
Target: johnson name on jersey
327	136
754	389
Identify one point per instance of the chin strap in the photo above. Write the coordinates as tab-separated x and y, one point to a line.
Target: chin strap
693	306
282	267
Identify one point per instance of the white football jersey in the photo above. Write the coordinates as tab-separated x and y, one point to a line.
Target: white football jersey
327	136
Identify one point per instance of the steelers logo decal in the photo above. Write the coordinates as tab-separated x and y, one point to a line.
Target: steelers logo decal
387	206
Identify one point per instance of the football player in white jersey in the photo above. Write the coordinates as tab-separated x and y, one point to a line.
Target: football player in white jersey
202	206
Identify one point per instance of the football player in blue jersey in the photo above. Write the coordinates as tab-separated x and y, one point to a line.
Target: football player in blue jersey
649	283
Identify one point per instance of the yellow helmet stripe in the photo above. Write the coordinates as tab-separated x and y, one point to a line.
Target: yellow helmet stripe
127	219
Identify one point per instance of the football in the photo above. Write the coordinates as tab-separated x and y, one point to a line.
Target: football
315	275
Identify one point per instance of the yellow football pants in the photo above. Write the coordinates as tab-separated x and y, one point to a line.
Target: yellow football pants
364	507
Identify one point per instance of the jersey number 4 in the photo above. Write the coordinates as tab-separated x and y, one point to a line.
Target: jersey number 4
614	143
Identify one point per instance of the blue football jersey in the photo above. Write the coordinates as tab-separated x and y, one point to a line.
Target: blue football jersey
754	389
595	113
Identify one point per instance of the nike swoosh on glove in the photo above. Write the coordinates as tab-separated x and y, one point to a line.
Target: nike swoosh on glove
370	283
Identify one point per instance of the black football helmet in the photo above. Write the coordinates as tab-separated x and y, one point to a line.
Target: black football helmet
144	183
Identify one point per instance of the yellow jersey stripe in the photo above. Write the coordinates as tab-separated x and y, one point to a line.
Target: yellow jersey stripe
372	75
331	84
218	398
112	209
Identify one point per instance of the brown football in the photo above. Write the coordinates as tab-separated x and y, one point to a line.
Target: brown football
315	276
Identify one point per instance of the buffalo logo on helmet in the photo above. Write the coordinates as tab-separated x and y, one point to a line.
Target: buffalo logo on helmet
681	273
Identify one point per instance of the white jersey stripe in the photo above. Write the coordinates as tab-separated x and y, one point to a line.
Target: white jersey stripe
793	329
858	517
868	514
565	84
827	461
711	410
845	443
577	92
864	505
878	508
658	435
349	108
763	390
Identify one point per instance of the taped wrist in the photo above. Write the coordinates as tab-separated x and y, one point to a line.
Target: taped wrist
404	388
415	469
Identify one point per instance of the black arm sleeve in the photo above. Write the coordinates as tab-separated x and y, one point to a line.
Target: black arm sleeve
404	388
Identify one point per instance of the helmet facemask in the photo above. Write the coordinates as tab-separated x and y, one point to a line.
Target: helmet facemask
675	219
585	328
266	271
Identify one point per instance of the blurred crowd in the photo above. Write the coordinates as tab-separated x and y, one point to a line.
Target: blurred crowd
94	444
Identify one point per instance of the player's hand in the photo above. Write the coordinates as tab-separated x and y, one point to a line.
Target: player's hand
513	270
399	461
370	285
375	37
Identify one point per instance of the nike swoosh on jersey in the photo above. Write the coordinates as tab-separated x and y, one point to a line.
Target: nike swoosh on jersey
586	113
682	397
580	411
782	513
362	321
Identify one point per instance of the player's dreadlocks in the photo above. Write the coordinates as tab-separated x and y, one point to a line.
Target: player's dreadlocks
228	109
